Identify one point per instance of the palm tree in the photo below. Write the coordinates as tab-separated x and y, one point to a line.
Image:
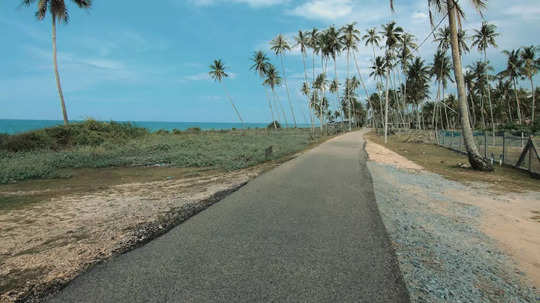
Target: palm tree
302	41
260	66
320	84
443	37
418	77
273	79
332	48
393	34
470	86
372	38
529	68
378	70
217	72
454	12
315	49
483	39
442	71
58	11
406	45
349	40
280	45
512	71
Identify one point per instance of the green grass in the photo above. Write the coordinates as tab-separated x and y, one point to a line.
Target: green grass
48	153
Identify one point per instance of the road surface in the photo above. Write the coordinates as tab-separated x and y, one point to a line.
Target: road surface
307	231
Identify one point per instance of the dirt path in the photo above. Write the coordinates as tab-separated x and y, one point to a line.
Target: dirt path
507	218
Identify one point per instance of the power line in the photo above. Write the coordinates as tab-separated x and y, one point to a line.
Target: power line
432	31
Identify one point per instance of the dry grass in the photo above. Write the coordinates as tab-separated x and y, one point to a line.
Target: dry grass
445	162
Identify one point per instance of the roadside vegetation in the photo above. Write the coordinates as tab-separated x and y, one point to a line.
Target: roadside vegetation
47	153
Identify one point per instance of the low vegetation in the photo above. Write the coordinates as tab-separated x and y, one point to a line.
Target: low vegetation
51	152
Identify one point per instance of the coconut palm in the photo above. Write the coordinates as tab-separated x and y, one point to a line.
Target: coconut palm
260	66
58	11
302	41
454	12
512	72
315	48
392	34
378	71
483	39
320	84
443	38
418	77
280	46
273	80
406	45
441	70
372	38
349	39
529	68
217	72
470	86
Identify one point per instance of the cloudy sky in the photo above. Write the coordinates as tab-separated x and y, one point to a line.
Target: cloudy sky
150	63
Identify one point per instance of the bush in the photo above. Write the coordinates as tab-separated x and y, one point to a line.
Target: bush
87	133
193	130
271	125
162	132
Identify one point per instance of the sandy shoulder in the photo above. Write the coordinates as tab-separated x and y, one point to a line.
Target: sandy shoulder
509	218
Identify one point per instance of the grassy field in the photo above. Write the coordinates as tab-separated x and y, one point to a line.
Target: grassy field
56	152
445	162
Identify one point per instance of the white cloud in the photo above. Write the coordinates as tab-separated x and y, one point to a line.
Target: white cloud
251	3
328	10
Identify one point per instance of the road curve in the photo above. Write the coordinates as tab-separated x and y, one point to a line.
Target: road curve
307	231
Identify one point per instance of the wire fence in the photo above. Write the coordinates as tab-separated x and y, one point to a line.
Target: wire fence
504	148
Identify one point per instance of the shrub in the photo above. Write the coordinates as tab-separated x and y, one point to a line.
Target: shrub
193	130
271	125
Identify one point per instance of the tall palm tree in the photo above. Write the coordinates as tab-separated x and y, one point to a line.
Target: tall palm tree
302	41
378	71
418	77
512	72
349	39
441	70
372	38
529	68
260	66
454	12
217	72
483	39
320	84
315	48
58	11
470	86
273	79
280	46
392	34
332	47
406	45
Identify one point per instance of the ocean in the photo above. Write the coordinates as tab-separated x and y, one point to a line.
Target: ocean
19	126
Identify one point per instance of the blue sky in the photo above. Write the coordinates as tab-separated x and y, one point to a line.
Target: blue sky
150	62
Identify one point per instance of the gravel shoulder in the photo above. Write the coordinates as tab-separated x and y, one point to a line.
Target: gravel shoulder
457	242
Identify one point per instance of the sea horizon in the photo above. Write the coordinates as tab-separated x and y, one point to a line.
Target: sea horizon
15	126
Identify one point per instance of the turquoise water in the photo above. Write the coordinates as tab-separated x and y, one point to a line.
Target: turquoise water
19	126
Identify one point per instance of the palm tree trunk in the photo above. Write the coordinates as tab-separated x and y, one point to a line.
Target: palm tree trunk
271	109
56	74
287	88
489	100
517	101
348	76
477	162
533	100
307	96
445	110
276	98
234	106
386	110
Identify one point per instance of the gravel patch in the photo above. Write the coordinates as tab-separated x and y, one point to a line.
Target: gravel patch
443	255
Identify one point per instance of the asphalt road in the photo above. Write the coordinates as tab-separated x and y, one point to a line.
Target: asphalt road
307	231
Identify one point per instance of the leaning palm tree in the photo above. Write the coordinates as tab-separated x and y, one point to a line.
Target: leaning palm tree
260	66
332	48
280	46
406	46
454	12
315	48
217	72
512	72
320	84
349	39
530	67
483	39
58	11
378	71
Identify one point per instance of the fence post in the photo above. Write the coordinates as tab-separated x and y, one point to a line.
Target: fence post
485	144
504	146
